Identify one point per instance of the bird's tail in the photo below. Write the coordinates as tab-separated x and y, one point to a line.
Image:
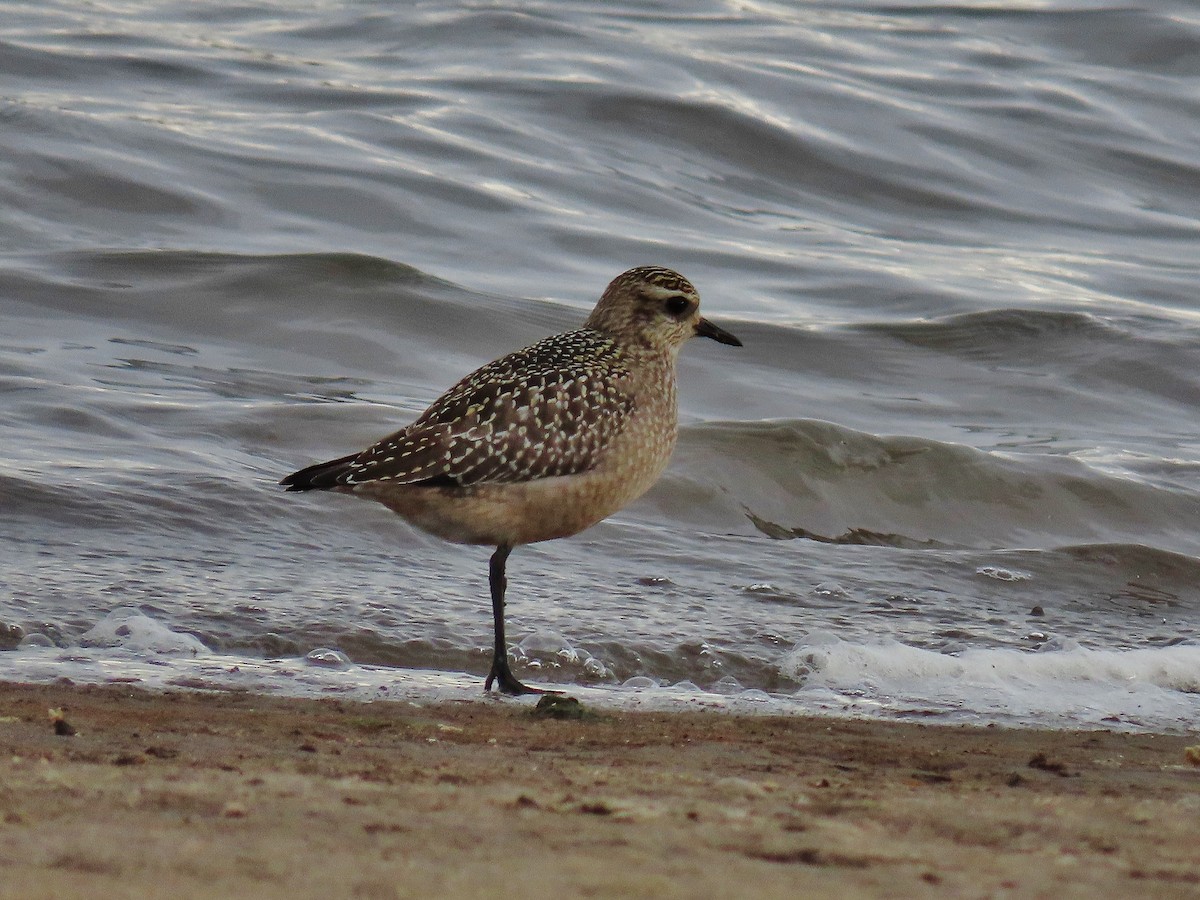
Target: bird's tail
321	476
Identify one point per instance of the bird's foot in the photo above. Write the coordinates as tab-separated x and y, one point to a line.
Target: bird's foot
507	682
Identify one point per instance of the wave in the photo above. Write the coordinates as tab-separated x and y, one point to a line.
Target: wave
811	479
1062	685
1149	687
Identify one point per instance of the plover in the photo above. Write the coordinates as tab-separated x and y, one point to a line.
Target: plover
542	443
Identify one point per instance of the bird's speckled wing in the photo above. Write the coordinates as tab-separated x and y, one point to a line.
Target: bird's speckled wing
550	409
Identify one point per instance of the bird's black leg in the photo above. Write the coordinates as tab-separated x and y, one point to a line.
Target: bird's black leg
501	673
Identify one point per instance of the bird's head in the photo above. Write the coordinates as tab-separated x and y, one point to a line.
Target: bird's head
654	308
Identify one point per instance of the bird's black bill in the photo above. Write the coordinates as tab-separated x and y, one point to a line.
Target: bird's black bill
707	329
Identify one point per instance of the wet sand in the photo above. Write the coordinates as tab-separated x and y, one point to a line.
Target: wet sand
233	795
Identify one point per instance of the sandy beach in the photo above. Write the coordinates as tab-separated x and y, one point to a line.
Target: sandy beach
233	795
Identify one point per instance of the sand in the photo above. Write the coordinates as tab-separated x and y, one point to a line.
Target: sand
189	794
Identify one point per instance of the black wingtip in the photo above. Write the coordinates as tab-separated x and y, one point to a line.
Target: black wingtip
319	477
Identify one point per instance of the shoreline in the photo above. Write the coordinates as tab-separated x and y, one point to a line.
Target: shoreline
204	794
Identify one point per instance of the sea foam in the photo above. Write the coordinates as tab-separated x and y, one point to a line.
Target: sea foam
1153	687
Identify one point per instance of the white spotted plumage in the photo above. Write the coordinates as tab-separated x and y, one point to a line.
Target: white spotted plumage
525	416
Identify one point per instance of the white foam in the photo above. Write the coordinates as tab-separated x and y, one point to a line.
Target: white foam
128	628
327	657
300	678
551	651
1065	685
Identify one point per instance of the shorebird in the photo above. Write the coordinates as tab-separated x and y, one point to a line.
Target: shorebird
542	443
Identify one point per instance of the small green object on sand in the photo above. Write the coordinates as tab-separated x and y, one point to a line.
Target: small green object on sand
560	706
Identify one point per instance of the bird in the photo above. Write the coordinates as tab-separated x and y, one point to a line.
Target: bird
542	443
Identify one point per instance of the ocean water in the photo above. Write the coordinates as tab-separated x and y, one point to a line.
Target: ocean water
954	473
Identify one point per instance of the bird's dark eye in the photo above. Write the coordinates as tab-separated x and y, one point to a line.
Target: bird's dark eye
678	305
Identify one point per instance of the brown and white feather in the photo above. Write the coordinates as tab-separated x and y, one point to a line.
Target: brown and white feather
549	410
